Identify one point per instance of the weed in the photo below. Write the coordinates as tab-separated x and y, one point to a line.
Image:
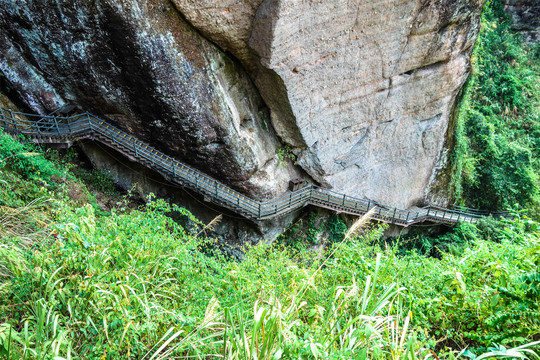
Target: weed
286	155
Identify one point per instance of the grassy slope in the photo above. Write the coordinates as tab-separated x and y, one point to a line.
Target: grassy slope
75	278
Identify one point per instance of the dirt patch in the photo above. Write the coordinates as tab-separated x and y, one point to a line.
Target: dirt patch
77	193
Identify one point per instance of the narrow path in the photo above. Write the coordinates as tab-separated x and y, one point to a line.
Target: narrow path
67	130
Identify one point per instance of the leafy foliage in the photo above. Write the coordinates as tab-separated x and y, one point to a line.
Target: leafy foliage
132	283
498	128
285	155
79	281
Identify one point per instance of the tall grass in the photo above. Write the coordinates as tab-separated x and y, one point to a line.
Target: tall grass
84	283
358	321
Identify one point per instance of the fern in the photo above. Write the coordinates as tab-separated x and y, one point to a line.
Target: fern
531	285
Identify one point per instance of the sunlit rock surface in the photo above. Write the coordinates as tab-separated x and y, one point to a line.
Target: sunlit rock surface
369	86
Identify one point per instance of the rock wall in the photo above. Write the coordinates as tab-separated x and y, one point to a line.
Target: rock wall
369	86
363	91
526	17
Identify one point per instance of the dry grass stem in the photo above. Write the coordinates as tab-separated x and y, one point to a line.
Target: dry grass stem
211	225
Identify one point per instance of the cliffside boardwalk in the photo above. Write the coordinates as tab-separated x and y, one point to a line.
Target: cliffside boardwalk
66	130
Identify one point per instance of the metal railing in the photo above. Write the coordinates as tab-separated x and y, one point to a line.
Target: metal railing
57	129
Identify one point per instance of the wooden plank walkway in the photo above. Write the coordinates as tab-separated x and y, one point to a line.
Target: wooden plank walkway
67	130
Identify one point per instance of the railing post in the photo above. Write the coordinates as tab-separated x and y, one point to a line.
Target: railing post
394	216
13	121
216	186
290	200
459	215
407	219
5	121
311	193
368	204
197	181
275	212
135	148
344	199
429	208
173	170
259	210
56	124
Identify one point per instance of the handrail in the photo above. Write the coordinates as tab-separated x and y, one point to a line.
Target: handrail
61	129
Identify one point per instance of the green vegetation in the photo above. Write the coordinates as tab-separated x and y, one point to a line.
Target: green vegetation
98	181
285	155
310	230
498	129
82	282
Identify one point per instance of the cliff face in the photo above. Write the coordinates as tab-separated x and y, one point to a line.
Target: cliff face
369	86
362	91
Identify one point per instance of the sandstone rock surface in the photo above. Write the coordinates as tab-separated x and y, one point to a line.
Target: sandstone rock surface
363	91
370	85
